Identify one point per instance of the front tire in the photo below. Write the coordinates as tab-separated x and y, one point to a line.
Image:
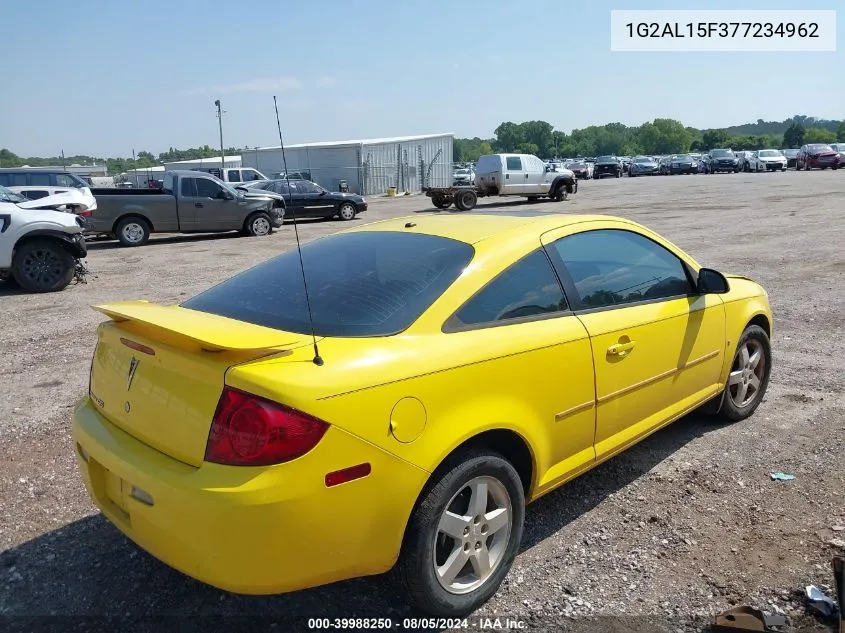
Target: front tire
259	225
749	375
42	266
347	211
463	535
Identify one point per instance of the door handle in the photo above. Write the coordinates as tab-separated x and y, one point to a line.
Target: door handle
198	205
620	349
507	176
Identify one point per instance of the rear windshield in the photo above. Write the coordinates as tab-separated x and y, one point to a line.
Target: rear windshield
360	284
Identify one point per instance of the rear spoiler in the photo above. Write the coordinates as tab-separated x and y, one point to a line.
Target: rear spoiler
209	331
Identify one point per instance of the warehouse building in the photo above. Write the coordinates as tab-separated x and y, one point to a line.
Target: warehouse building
199	163
368	167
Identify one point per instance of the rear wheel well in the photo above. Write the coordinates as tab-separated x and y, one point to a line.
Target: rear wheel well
507	444
132	215
763	322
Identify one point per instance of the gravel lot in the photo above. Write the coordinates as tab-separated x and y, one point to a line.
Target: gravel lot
678	528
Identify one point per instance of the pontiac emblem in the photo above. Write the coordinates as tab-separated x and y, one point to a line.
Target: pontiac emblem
133	366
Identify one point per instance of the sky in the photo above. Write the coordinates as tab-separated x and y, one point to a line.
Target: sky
102	78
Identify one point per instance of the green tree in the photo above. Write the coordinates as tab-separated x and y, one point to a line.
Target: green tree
840	132
714	139
527	148
794	135
819	135
508	136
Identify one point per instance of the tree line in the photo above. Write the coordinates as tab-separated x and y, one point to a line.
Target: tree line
115	165
660	136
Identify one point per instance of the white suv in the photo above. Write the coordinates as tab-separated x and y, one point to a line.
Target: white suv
40	248
35	183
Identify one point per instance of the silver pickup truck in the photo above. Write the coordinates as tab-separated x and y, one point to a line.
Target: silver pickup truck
189	202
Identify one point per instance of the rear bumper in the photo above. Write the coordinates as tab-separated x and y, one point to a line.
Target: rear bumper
251	530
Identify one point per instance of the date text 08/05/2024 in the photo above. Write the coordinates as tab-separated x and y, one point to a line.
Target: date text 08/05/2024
723	29
415	624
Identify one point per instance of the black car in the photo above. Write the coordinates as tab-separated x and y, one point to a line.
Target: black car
791	157
607	166
643	166
723	160
306	199
682	164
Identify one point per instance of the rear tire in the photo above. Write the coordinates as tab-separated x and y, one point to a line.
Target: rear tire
440	202
132	231
487	554
465	200
43	266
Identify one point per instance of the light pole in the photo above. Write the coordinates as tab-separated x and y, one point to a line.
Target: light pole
220	122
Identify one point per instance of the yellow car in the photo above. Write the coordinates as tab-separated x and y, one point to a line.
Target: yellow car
441	372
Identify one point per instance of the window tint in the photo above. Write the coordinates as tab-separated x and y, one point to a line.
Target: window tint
189	187
207	188
514	163
368	283
234	175
251	174
35	194
280	186
529	287
610	267
64	180
41	179
304	186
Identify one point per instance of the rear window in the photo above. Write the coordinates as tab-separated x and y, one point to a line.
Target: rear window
360	284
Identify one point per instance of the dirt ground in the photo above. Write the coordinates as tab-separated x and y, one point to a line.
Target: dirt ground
680	527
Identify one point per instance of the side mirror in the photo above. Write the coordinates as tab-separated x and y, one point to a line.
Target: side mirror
548	169
323	192
711	282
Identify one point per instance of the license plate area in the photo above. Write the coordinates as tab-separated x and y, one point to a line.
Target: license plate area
111	491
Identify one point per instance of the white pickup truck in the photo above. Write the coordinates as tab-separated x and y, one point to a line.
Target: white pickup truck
507	175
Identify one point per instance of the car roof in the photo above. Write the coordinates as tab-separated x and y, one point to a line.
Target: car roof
473	227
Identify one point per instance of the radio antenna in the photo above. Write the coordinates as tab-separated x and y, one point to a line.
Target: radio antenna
318	360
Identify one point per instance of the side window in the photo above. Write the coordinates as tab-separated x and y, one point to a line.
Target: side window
528	288
189	187
251	174
40	179
281	187
207	188
35	194
63	180
234	175
611	267
514	163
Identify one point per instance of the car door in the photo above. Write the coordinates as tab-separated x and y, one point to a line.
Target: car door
315	200
203	206
294	200
535	176
657	345
539	354
514	177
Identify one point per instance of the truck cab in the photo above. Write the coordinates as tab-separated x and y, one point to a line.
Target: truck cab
234	175
515	175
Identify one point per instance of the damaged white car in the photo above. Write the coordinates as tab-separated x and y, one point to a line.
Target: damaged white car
41	248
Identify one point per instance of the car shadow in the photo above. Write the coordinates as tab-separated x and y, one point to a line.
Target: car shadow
165	239
89	568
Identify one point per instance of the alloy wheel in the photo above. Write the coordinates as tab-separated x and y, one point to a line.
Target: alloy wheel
43	267
472	535
747	372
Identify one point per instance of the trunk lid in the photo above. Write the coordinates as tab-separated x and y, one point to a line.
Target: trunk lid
158	371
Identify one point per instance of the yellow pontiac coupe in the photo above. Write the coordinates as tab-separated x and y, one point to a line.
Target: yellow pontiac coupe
452	369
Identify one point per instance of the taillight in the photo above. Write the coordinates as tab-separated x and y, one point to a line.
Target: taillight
86	214
251	431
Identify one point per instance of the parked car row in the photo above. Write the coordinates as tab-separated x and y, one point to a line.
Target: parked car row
719	160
